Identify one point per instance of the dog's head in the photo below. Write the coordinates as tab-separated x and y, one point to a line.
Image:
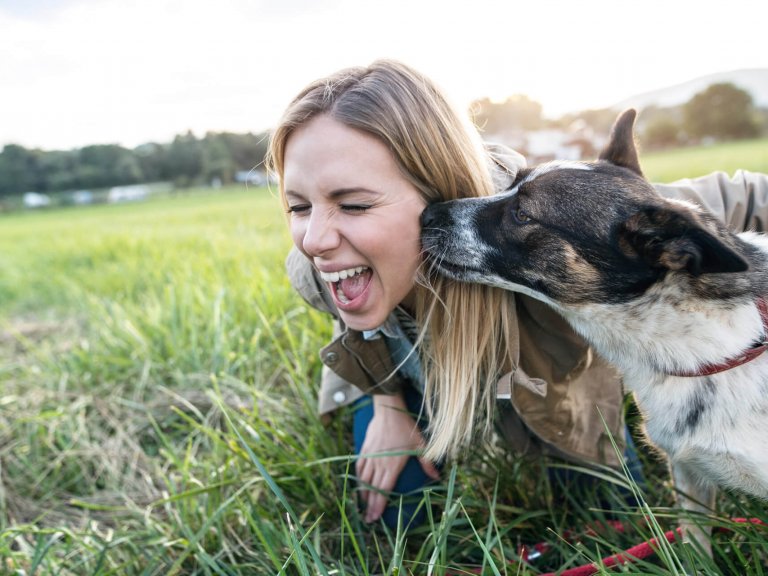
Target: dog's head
573	232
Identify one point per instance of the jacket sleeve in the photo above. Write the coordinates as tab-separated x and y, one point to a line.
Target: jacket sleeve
335	391
741	202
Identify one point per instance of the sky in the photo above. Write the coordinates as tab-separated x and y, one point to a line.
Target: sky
80	72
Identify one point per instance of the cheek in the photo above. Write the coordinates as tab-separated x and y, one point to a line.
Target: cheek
406	253
297	230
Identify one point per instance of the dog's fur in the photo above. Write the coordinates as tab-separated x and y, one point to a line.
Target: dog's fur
658	287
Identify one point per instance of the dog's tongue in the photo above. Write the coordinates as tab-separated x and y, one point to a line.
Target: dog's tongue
353	287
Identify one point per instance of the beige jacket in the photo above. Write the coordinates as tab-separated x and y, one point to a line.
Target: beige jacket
558	384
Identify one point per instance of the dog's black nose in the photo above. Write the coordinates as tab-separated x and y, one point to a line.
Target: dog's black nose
429	216
426	217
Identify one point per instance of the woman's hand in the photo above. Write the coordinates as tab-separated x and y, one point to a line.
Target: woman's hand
391	429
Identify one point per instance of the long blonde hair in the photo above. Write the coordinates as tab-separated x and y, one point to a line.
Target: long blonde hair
468	329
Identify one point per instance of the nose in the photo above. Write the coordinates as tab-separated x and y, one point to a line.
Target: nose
434	215
321	234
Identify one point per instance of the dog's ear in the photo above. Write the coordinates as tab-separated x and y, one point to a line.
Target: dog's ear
621	149
671	239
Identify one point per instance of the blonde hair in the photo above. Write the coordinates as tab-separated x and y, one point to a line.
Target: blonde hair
467	329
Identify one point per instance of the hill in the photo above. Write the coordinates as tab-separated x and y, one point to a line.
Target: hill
754	81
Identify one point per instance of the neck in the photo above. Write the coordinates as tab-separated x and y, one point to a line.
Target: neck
664	337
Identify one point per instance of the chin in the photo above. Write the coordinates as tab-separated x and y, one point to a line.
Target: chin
361	323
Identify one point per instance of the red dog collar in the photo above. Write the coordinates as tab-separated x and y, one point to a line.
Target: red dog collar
743	358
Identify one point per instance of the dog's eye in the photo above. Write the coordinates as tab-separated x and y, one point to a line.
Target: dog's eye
521	217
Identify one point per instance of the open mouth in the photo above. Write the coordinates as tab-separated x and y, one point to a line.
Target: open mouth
348	284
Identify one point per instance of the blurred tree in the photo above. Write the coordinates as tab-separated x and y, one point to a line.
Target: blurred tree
127	170
600	119
18	170
217	159
722	111
662	132
103	165
761	117
153	161
185	159
247	150
517	112
660	127
58	170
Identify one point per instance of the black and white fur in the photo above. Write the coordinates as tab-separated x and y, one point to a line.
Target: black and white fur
656	286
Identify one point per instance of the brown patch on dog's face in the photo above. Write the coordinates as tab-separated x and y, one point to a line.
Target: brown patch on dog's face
579	269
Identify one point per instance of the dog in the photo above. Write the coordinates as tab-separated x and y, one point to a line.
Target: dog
658	287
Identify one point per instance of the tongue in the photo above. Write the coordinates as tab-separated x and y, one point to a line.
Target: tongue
353	287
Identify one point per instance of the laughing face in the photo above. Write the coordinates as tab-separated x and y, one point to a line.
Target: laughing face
355	216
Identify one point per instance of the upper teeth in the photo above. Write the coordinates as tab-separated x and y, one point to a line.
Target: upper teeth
341	274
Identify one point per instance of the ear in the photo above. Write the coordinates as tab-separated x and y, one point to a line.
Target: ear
621	149
670	239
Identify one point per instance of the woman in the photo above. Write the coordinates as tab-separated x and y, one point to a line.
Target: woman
358	156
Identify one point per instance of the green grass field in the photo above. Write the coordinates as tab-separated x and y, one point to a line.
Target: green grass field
157	416
671	165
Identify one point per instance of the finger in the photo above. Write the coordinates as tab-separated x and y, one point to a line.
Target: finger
382	482
364	497
377	502
365	472
360	465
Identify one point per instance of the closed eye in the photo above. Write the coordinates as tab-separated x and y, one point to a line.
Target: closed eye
298	209
355	207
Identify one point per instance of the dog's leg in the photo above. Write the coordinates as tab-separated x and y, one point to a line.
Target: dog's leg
695	495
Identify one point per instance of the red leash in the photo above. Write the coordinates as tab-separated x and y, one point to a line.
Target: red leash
638	552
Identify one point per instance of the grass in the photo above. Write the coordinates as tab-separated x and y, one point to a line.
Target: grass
157	416
671	165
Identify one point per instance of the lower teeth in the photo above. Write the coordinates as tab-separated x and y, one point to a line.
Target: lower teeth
340	294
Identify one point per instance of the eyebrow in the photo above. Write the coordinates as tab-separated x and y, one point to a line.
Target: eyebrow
338	193
354	190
